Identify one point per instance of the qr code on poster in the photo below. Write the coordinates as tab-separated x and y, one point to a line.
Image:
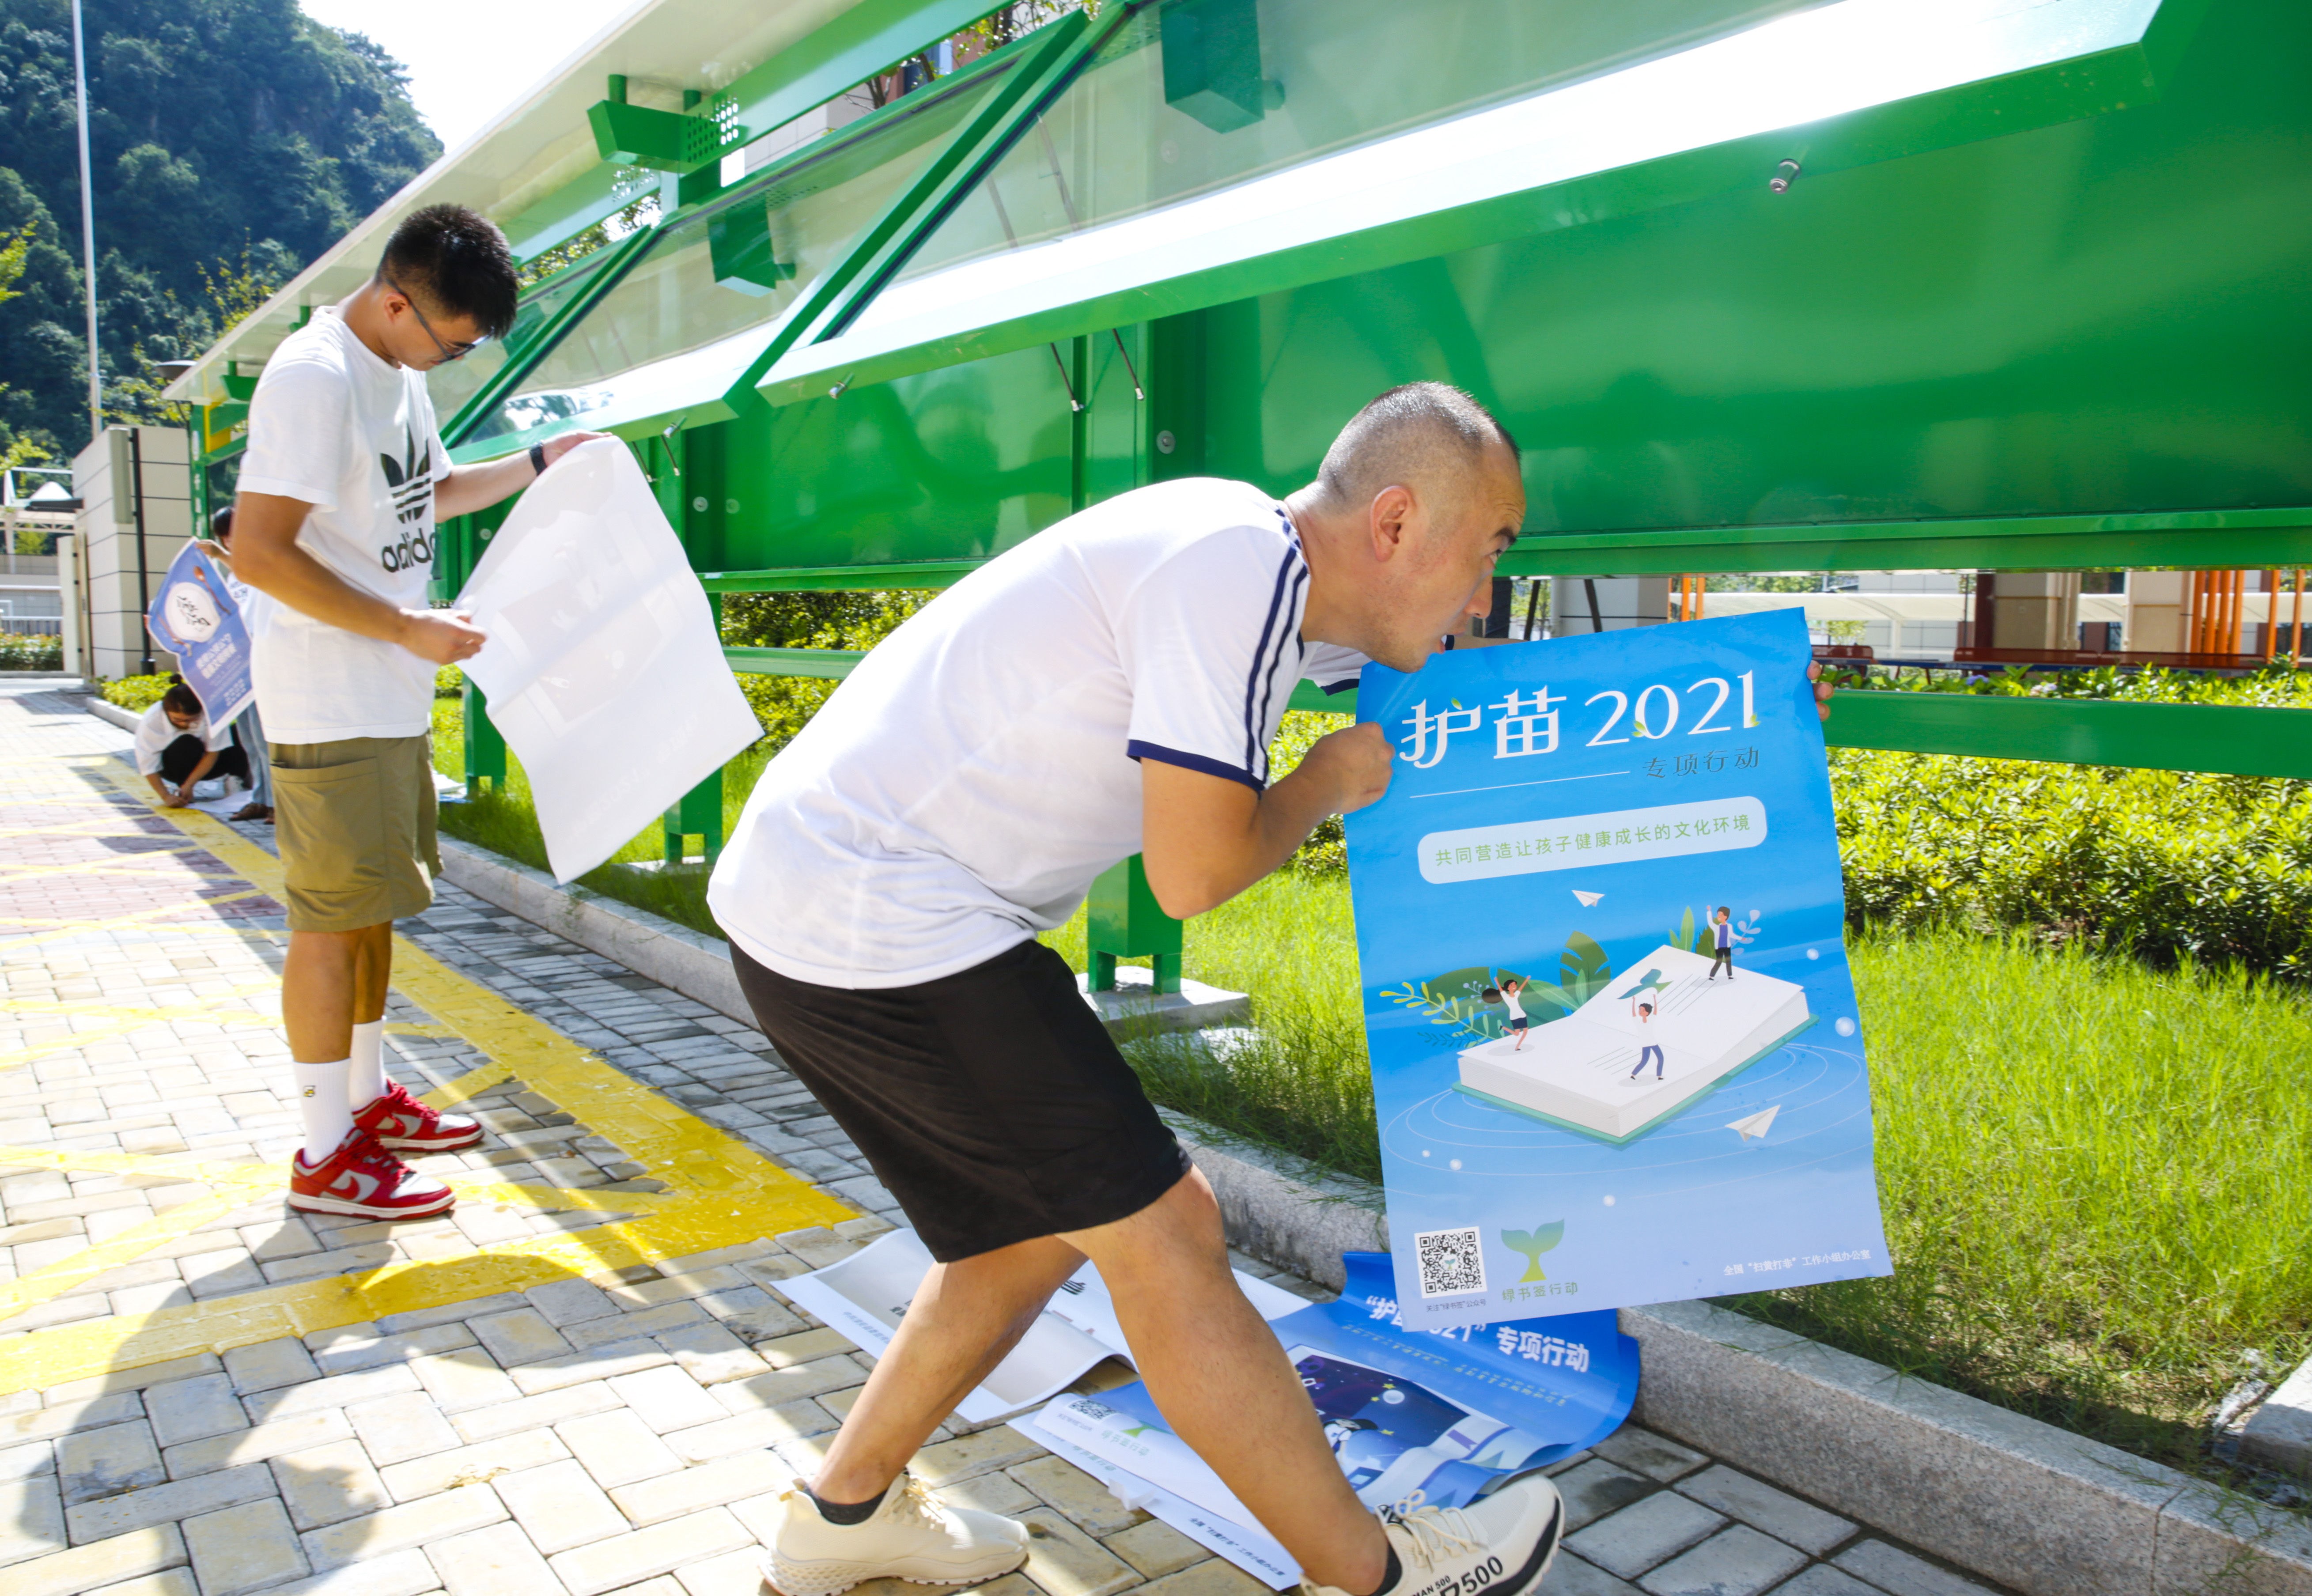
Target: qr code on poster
1451	1262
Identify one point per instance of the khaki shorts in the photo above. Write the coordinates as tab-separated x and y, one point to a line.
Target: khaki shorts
354	819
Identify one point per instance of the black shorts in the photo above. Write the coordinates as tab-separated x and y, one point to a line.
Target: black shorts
992	1103
1519	1023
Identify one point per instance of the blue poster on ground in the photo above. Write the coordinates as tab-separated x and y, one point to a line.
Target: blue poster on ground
199	616
1615	1048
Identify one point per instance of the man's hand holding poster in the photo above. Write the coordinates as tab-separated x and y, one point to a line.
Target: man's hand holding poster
1614	1046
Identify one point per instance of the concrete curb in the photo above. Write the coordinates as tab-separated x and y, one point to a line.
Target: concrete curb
125	719
2279	1432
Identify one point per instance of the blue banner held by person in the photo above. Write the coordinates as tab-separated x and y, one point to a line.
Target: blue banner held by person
1615	1052
199	616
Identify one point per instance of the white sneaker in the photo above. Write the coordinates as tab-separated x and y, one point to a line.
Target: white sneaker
913	1535
1498	1546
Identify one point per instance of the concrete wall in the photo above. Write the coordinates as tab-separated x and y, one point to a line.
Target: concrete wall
2035	609
2155	614
114	642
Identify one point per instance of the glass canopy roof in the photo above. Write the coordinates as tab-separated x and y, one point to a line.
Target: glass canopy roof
1118	205
452	385
685	322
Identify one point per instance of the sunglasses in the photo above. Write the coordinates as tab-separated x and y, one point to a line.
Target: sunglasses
450	351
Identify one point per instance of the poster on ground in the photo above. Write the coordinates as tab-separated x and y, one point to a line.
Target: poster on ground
199	615
1615	1052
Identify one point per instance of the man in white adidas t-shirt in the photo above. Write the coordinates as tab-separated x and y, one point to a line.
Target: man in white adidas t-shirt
1109	686
334	522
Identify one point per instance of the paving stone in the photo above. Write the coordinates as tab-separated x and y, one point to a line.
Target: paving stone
600	1362
467	1378
256	1445
1655	1456
1899	1574
96	1463
668	1399
522	1336
997	1448
1760	1506
397	1573
711	1353
22	1462
472	1465
498	1561
644	1554
1156	1548
619	1449
1635	1538
46	1424
1822	1580
419	1318
788	1385
161	1503
1212	1577
559	1506
99	1564
1087	1504
764	1426
705	1484
243	1548
328	1484
31	1517
335	1390
650	1321
1736	1561
172	1582
1066	1562
411	1524
1569	1575
570	1302
189	1409
268	1366
131	1379
1597	1489
733	1574
373	1351
395	1429
533	1413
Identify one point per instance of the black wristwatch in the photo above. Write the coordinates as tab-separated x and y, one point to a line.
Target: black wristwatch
537	459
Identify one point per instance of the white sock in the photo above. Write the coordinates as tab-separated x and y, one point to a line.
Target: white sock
321	1098
365	1080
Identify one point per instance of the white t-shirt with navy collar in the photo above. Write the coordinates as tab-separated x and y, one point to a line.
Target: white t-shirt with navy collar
335	425
961	789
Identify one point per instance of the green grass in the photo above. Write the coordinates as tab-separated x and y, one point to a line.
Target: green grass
504	822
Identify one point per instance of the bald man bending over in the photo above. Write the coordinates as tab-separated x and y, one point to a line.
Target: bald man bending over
1110	687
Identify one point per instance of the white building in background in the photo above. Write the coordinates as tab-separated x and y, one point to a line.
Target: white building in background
135	487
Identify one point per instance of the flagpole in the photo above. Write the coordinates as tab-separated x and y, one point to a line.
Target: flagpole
87	233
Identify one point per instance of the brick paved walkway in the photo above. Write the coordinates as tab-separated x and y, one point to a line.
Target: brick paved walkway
584	1380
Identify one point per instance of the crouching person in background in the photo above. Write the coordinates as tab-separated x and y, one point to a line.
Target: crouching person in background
177	748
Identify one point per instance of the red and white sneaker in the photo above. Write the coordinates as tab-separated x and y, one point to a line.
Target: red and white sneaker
362	1178
399	1123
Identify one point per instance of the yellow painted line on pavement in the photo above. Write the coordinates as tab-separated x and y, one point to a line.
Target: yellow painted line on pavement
721	1192
91	928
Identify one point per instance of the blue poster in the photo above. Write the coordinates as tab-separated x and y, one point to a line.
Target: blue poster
1615	1054
200	615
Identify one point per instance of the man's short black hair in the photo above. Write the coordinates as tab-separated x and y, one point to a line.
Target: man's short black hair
458	262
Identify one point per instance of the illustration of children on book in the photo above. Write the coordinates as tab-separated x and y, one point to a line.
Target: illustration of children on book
1724	937
1506	994
1641	1010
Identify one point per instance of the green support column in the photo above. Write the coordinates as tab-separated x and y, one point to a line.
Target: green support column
485	749
1123	921
697	813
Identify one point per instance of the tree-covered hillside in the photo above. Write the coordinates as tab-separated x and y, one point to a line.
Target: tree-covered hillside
226	136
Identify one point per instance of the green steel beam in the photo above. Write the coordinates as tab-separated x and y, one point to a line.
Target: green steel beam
1992	107
909	577
569	211
1042	78
2218	738
823	664
1036	60
2280	536
521	362
2221	738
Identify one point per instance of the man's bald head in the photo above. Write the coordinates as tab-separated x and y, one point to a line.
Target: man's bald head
1430	437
